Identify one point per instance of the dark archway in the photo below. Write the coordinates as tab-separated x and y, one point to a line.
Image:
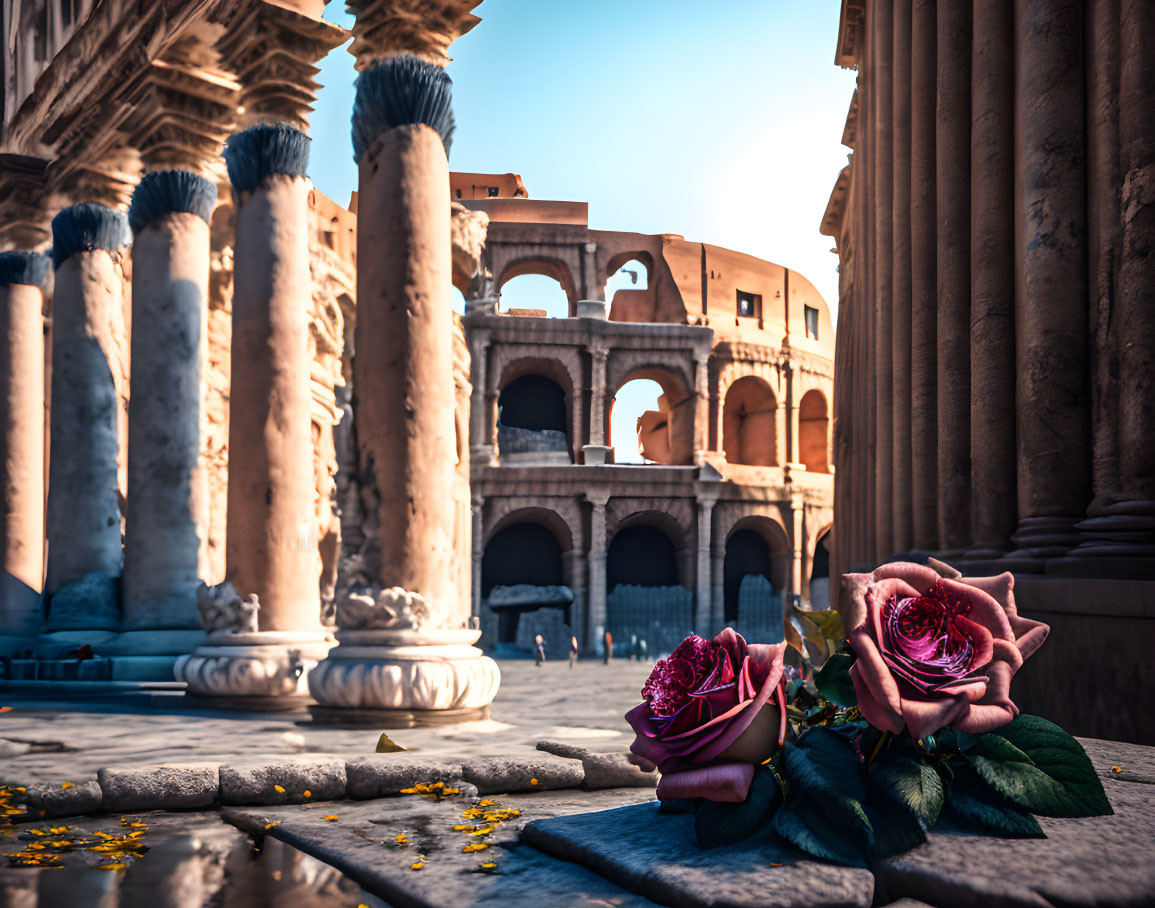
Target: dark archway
646	607
755	574
641	556
746	553
820	573
533	421
523	553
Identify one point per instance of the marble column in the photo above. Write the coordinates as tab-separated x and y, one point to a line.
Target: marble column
900	258
1051	279
705	585
992	315
596	592
923	279
405	638
166	525
701	407
598	357
883	38
952	352
24	281
271	549
83	518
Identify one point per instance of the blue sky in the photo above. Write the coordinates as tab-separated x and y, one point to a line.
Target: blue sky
718	121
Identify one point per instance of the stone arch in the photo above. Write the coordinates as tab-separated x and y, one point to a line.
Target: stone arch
542	516
523	577
756	570
749	423
814	431
521	373
676	406
556	269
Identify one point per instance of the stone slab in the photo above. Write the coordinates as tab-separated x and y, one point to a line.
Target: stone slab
51	800
615	771
282	781
172	787
361	843
645	852
1097	861
379	775
541	772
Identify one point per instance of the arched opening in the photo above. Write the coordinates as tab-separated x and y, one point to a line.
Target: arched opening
813	426
523	588
532	422
635	417
457	300
749	431
628	290
755	573
544	289
648	612
820	573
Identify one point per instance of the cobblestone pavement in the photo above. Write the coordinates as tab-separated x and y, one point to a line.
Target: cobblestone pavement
52	741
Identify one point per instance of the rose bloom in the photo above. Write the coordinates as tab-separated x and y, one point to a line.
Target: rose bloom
934	651
707	719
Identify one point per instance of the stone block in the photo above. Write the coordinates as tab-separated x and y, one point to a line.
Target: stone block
282	781
143	668
91	602
562	750
591	309
497	775
597	455
615	771
379	775
175	786
52	799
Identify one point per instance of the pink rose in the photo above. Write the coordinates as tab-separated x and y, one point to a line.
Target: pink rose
703	722
934	651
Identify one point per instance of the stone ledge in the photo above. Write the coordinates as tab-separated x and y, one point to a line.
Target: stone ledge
178	786
298	781
500	775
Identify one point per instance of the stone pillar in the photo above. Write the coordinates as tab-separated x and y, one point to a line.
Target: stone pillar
952	352
702	603
883	37
596	593
83	518
480	435
797	511
701	407
405	642
166	525
900	258
923	279
1051	279
992	305
271	549
598	357
576	570
24	280
593	284
477	553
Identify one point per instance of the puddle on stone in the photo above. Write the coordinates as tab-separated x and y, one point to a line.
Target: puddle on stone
186	861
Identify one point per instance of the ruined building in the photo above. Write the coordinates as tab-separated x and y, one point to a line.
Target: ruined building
226	392
995	394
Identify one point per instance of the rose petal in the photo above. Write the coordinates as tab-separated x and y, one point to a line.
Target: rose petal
998	588
925	717
728	782
852	600
875	672
983	608
980	639
919	576
995	708
877	712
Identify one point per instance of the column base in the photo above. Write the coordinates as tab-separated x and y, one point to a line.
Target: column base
1044	537
344	717
406	671
1125	529
240	670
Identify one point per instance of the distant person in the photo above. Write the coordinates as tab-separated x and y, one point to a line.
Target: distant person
643	650
634	647
607	647
539	644
573	651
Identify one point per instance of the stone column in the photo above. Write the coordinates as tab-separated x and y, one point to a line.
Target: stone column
718	575
24	280
1051	279
83	519
480	434
702	603
166	525
923	279
405	642
883	37
593	284
900	308
477	553
598	357
992	306
952	351
271	549
797	511
596	592
701	407
576	570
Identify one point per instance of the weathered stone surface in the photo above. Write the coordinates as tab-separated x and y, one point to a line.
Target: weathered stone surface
615	771
177	786
492	775
378	775
647	853
90	602
258	783
528	594
1100	861
13	748
558	749
1134	762
53	800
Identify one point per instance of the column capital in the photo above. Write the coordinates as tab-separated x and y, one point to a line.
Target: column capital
598	497
591	248
424	28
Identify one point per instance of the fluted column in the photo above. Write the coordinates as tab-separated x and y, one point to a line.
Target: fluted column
406	643
923	280
702	606
24	279
992	305
596	593
883	37
900	308
1051	278
952	351
166	526
83	519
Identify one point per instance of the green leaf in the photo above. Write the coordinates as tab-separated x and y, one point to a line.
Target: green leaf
829	623
986	812
997	748
950	741
719	824
833	680
895	829
1060	757
824	762
803	823
912	784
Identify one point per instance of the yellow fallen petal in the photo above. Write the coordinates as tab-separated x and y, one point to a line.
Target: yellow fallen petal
387	746
476	846
66	785
464	827
331	817
401	839
417	866
483	830
408	791
485	802
271	825
116	868
488	865
533	782
1116	769
279	789
308	794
